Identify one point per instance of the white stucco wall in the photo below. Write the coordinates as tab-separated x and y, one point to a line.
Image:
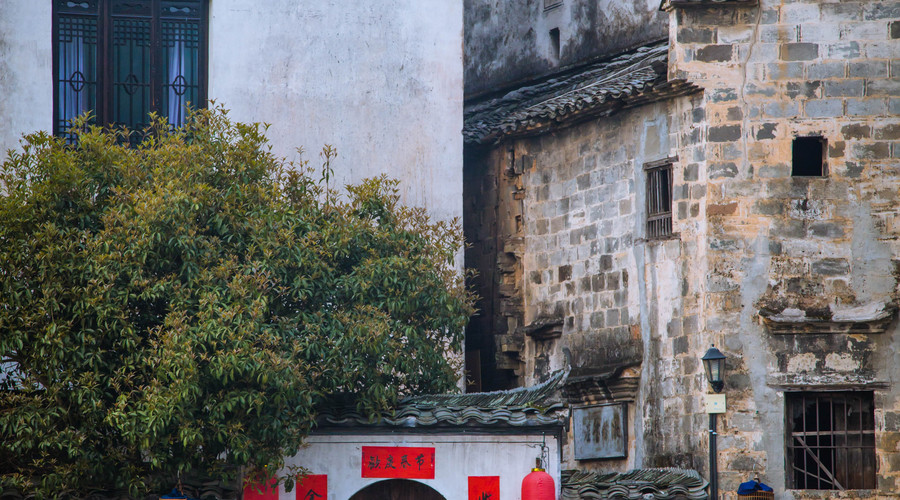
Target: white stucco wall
380	80
457	457
26	78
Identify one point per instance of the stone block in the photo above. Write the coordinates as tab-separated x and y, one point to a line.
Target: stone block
722	209
790	109
799	13
836	149
798	51
734	34
691	172
597	320
845	11
881	10
784	71
696	35
766	131
856	131
884	87
826	230
886	49
830	267
777	33
724	133
680	345
872	151
722	170
723	95
869	30
774	171
889	131
893	107
842	50
868	69
866	107
824	108
612	318
715	53
823	70
820	32
846	88
808	89
698	191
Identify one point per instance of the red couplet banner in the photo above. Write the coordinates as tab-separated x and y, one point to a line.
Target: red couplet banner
261	491
484	487
312	487
398	462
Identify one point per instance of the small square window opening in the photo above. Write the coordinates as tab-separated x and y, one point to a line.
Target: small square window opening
830	440
659	198
808	157
554	44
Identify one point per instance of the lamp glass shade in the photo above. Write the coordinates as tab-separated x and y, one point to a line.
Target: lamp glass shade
714	363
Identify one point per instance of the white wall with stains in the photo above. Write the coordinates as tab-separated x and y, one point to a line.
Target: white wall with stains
381	81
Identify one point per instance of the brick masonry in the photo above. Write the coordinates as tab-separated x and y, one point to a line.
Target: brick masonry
777	242
566	239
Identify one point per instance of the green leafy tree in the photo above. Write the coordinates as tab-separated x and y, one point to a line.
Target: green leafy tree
183	307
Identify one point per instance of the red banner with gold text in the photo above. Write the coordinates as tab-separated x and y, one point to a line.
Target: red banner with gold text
398	462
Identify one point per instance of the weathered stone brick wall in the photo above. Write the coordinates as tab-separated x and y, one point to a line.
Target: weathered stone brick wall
810	247
595	294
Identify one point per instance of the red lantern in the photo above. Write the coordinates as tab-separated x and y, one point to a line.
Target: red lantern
538	485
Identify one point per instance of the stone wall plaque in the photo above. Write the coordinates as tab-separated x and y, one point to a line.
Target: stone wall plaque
600	431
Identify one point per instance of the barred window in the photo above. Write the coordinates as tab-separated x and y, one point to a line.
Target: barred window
830	440
659	197
122	59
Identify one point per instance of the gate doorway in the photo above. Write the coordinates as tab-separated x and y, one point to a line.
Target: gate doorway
397	489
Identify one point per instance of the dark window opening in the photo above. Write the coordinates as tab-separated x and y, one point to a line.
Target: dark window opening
123	59
659	198
808	157
554	44
830	440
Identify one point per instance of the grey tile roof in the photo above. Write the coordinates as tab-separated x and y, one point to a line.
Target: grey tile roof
523	407
599	89
662	483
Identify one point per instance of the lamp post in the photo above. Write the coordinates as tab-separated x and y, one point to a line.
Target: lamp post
714	364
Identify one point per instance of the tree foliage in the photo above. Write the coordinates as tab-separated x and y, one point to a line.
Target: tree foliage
184	306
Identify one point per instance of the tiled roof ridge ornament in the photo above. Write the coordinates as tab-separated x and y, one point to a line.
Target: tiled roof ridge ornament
532	396
658	483
535	406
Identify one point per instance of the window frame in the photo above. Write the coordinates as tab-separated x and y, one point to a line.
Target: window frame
659	224
103	13
841	456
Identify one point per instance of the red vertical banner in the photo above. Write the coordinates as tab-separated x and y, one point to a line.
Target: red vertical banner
259	491
398	462
484	487
312	487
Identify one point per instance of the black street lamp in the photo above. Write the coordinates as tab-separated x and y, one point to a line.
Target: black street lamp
714	364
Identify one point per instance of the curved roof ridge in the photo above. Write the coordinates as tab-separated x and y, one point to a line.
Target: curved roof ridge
536	395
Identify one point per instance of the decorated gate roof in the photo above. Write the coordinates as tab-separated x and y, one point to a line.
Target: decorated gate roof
536	406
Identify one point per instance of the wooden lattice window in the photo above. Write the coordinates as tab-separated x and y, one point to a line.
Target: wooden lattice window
122	59
830	440
659	197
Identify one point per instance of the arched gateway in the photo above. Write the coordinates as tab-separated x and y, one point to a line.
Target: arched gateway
397	489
